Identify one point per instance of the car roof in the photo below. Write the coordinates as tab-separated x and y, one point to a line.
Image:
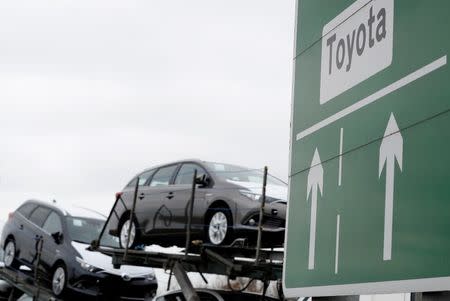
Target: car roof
173	163
198	161
192	160
75	211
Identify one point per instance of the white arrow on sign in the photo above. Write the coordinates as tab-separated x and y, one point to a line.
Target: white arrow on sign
391	149
315	183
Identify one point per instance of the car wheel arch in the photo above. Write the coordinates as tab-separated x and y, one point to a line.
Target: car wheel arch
126	215
68	273
70	270
8	238
218	204
57	263
11	237
15	262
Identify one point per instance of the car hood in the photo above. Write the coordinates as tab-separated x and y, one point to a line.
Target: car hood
273	191
104	262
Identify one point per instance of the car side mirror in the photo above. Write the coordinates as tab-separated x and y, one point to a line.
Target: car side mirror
203	181
57	236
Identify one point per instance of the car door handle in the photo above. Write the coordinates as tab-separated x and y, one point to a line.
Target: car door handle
141	196
170	195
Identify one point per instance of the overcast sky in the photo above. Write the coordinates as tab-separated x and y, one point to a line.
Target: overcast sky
93	92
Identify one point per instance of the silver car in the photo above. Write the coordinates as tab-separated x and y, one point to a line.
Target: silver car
226	207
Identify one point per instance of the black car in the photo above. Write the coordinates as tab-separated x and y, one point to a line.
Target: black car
65	260
226	207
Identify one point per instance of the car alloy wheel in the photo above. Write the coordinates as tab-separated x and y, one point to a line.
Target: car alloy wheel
124	231
10	253
218	227
59	281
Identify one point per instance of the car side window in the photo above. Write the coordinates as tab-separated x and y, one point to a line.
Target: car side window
162	176
132	182
186	173
39	215
143	177
26	209
53	223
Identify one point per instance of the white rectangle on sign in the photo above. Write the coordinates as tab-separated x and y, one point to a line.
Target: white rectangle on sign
357	44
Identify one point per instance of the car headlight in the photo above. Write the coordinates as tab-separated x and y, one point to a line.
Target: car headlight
251	195
87	267
150	276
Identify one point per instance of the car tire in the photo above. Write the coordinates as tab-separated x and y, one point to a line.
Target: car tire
10	253
219	226
59	280
123	233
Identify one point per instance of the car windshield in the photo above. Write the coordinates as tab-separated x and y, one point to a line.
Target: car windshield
85	230
233	173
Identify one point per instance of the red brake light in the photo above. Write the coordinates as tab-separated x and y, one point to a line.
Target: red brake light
118	195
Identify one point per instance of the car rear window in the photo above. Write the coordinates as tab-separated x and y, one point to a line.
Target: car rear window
26	209
39	215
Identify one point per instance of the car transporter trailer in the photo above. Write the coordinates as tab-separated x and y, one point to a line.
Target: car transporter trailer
235	260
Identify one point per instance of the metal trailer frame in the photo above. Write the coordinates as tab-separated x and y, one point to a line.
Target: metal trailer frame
230	261
28	283
22	283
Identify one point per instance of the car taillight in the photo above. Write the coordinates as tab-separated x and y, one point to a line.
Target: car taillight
10	215
118	195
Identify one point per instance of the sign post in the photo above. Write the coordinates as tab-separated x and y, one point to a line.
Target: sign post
369	192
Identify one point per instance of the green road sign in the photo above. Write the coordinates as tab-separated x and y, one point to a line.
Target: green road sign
369	205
